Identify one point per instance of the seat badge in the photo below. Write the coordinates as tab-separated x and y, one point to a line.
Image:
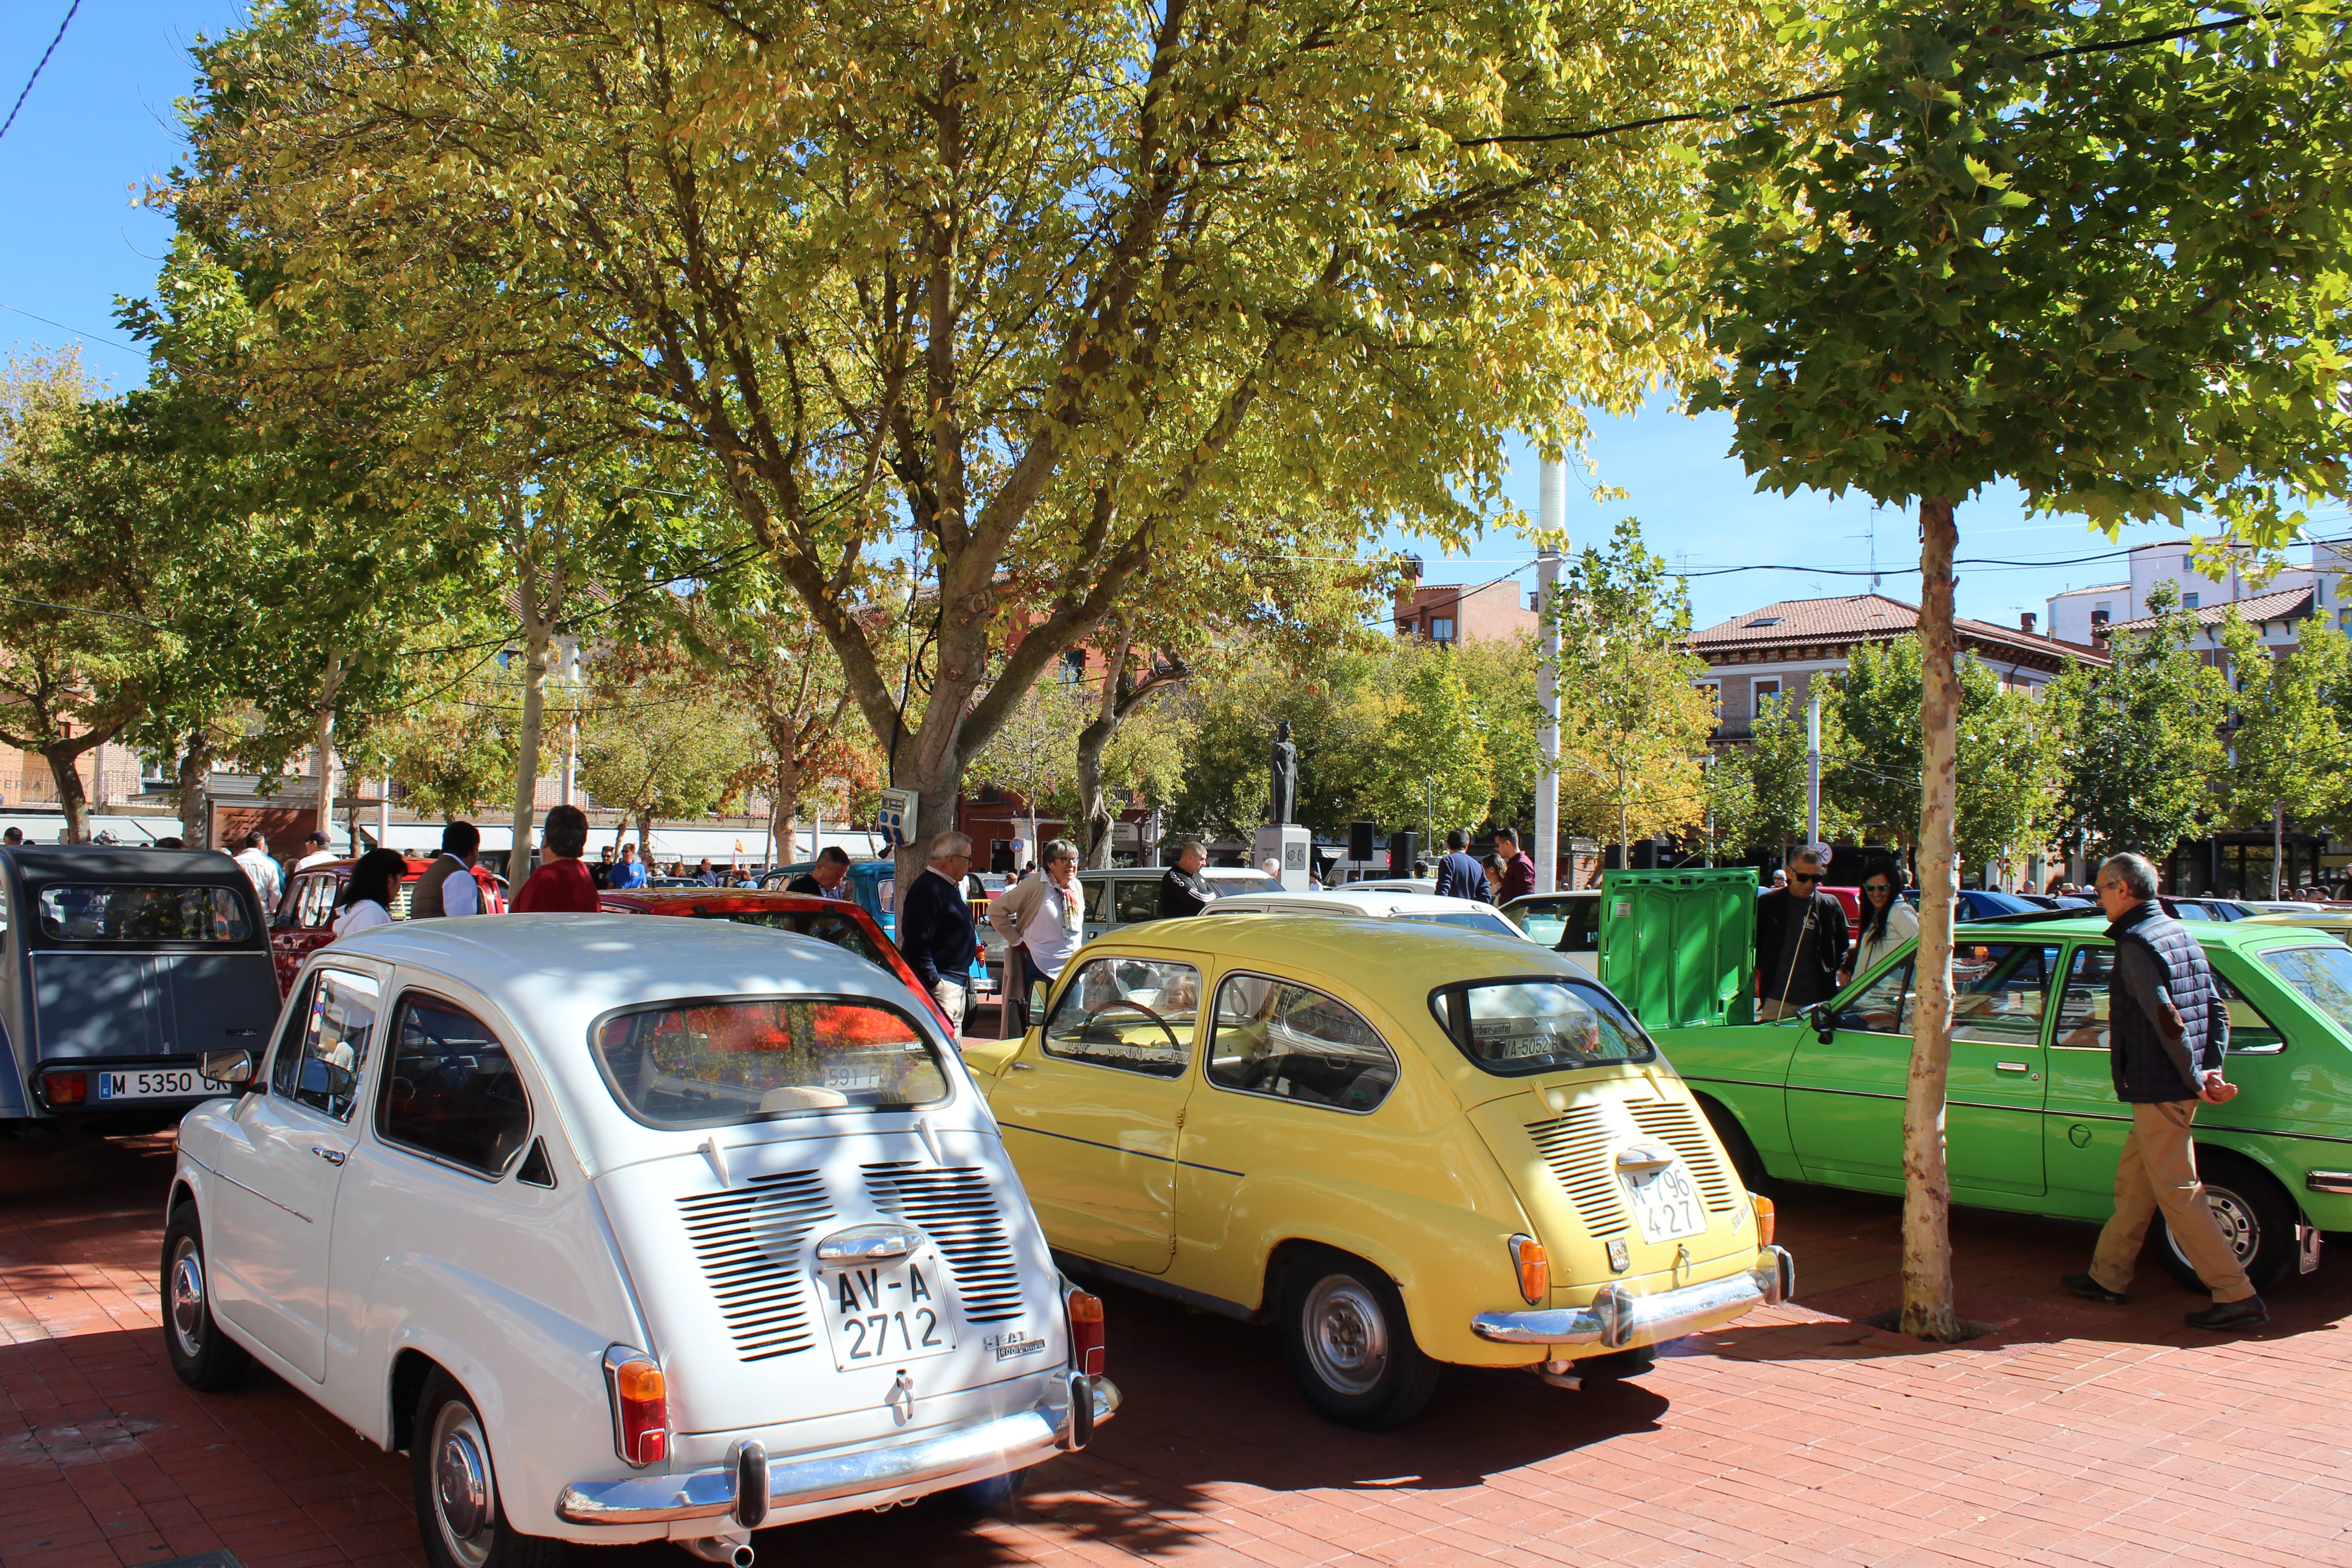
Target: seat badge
1620	1258
1014	1343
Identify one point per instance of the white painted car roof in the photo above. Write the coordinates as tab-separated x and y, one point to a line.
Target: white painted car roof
1373	903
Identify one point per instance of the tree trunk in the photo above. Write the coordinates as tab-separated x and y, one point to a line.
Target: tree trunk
2278	847
538	637
192	796
784	809
322	743
1927	1311
72	799
645	840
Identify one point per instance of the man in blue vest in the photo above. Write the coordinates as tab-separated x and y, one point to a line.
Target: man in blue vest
2166	1034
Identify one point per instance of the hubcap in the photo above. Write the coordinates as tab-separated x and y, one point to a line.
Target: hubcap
2236	1217
463	1498
1347	1336
187	1287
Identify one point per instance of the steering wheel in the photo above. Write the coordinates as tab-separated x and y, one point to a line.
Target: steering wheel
1138	1007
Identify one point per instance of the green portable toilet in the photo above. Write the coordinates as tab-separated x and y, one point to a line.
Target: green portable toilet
1679	947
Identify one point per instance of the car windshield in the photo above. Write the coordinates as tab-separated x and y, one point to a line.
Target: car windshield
839	929
126	912
717	1063
1512	1027
2322	974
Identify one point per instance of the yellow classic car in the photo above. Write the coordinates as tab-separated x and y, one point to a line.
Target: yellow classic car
1404	1145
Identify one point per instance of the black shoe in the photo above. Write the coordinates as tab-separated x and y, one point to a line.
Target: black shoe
2084	1286
2243	1314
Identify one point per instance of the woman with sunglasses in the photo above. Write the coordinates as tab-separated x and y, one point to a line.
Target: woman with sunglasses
1887	921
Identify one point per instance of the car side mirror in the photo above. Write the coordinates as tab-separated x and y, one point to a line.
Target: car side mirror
227	1067
1036	997
1824	1022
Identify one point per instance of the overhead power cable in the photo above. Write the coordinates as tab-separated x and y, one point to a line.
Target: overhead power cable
37	68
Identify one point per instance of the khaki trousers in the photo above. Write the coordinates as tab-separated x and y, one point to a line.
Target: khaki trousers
951	998
2158	1172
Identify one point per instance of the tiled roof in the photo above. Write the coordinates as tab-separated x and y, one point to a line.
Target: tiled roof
2278	604
1862	617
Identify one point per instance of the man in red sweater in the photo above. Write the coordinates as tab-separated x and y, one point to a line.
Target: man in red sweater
1518	870
562	883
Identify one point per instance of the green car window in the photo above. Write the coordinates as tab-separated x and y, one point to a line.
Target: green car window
2083	1010
2322	976
2000	991
2251	1034
1882	1006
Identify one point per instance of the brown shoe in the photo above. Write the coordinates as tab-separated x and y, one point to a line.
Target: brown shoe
2227	1315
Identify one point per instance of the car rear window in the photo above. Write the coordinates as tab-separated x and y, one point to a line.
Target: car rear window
1512	1027
2322	976
724	1061
125	911
842	930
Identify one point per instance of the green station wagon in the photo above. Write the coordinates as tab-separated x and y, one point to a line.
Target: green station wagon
2031	1123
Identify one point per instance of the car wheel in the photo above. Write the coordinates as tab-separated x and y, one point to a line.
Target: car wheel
1736	1143
1349	1346
2257	1219
459	1510
202	1357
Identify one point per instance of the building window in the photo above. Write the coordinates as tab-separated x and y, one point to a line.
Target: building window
2105	610
1758	694
1441	628
2189	601
1714	690
1074	664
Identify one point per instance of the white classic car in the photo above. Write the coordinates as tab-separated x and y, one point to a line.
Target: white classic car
625	1230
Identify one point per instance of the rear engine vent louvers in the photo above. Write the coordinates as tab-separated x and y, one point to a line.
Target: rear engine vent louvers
1679	1125
750	1243
955	1208
1575	1144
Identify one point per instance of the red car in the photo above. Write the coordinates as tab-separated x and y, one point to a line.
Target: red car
306	917
837	921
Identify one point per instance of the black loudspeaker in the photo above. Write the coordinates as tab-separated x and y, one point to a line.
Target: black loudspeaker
1404	849
1360	839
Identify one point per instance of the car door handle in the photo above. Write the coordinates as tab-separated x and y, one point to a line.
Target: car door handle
2009	1066
1019	1067
332	1156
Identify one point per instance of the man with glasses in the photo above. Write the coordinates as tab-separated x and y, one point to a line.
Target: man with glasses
2166	1033
936	934
1042	920
1800	940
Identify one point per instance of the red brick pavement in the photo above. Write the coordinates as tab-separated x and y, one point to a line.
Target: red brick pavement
1798	1436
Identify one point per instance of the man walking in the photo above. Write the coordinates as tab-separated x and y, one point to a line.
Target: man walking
1800	941
1458	875
936	934
1518	870
447	887
1182	889
2167	1032
827	878
261	869
1042	920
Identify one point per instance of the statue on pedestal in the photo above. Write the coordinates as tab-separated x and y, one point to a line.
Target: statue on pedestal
1282	798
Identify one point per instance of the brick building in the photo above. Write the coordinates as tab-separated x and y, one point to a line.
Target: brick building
1455	612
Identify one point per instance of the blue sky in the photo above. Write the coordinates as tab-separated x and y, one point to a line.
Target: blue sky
99	122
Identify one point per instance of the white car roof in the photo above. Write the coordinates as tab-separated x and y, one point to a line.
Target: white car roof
1351	900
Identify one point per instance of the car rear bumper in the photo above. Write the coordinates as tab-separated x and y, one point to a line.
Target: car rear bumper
735	1490
1619	1321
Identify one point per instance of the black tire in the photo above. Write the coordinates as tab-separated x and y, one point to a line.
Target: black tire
2256	1216
202	1356
1745	1161
1348	1344
460	1514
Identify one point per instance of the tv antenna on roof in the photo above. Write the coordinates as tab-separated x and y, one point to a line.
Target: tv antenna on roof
1871	533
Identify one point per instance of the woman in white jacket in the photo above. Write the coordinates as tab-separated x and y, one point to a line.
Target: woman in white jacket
1887	921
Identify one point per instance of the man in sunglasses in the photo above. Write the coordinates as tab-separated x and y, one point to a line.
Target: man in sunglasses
1800	941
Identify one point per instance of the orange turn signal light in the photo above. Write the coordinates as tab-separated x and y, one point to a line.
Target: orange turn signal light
640	1381
1533	1266
1764	1219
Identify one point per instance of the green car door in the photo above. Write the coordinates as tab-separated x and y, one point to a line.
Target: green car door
1845	1094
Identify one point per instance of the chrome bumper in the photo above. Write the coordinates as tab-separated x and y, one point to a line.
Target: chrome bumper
1621	1320
735	1490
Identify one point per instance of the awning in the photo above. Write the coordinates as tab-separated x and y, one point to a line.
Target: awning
49	828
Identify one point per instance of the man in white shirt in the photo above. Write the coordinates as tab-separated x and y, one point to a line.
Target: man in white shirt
447	887
316	851
267	881
1043	920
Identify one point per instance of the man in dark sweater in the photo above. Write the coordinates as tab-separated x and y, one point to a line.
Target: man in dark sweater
1182	889
1459	875
1518	870
1801	939
2167	1032
936	934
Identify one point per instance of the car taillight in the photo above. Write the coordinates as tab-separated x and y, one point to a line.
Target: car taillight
1764	1219
1086	1348
640	1406
69	1088
1533	1266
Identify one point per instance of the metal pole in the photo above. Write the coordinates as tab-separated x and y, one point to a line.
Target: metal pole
1814	771
1553	516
